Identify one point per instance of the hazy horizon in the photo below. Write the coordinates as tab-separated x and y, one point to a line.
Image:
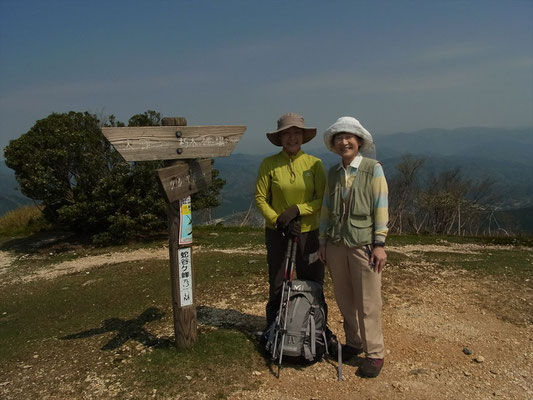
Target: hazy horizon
396	66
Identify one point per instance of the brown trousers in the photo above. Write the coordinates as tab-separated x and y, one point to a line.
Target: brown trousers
358	293
276	245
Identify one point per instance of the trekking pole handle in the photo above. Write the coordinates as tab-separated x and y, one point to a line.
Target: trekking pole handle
295	240
287	260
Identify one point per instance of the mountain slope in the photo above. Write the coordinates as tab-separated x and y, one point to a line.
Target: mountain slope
503	154
10	197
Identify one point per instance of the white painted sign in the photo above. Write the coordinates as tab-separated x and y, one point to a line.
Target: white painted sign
185	276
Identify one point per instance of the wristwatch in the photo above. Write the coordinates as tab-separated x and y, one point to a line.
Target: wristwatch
379	244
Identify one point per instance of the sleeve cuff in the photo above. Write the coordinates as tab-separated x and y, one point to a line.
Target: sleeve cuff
379	239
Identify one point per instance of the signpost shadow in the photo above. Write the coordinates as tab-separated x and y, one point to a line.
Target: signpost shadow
131	329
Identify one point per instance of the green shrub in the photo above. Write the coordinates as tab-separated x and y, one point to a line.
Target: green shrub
65	162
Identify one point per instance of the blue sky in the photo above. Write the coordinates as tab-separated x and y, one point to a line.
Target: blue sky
395	65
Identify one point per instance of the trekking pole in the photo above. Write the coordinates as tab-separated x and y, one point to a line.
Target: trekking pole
284	331
278	318
339	360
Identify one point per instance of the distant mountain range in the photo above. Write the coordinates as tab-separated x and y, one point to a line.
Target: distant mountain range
504	154
10	196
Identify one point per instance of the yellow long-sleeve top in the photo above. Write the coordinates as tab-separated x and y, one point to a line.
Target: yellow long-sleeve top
283	181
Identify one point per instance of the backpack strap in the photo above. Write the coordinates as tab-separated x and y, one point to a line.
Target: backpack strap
295	306
313	332
307	351
324	331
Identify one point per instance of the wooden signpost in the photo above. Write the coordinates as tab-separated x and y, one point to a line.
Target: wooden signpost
194	146
181	180
172	142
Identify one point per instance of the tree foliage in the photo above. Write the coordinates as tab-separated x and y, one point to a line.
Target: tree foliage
208	198
445	203
66	164
60	160
148	118
405	185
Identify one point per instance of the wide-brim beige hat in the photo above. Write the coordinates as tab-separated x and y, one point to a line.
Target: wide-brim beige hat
287	121
349	125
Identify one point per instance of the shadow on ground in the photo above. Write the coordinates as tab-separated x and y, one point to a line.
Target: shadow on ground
251	325
61	241
131	329
229	319
45	240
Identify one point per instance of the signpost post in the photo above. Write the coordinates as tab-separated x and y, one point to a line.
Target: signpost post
174	141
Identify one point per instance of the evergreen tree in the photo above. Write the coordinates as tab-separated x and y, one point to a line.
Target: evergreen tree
66	164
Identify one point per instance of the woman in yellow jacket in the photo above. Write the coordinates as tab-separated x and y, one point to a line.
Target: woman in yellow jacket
290	184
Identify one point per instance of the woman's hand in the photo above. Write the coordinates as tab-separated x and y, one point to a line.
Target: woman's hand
287	216
378	259
322	253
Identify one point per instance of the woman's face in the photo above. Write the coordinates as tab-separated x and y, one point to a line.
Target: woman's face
291	140
346	145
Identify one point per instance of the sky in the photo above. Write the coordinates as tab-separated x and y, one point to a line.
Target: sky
397	66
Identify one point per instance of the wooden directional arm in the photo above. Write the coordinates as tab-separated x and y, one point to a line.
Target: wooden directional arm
182	180
174	142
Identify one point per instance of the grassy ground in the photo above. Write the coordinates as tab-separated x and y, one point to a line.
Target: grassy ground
108	330
121	304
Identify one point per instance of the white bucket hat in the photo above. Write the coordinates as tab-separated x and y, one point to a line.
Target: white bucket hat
353	126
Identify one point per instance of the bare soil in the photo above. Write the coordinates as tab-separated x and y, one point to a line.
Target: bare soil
432	317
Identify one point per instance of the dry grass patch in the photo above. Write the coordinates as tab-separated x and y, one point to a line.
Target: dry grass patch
24	220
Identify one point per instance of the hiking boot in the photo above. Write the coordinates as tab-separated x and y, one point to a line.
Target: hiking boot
262	336
349	352
370	367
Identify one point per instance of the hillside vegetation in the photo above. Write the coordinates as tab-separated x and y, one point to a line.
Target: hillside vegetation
66	165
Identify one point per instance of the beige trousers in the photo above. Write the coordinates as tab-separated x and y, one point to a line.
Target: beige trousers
358	293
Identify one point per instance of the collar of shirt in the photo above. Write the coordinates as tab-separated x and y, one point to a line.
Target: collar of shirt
356	162
287	156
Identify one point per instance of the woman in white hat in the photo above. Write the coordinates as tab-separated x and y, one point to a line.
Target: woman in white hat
290	184
353	228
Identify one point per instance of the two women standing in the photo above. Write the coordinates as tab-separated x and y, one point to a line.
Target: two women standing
353	210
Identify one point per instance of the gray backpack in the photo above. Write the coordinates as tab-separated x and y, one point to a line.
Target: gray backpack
303	337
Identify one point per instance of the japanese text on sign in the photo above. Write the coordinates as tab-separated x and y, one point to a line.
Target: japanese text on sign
185	276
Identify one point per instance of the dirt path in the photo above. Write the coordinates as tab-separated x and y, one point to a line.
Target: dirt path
431	317
5	262
94	261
